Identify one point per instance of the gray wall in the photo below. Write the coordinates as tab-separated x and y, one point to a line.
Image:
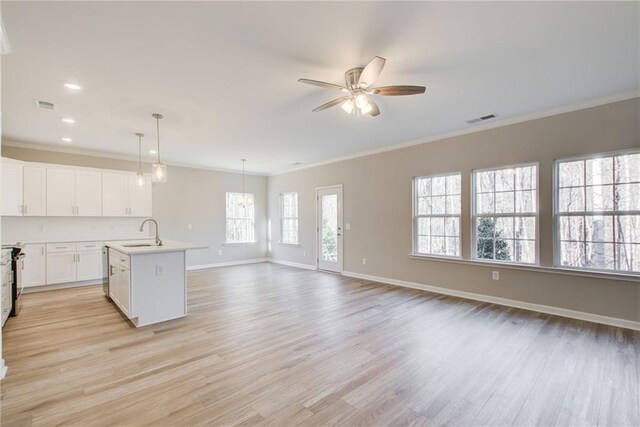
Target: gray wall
190	196
377	204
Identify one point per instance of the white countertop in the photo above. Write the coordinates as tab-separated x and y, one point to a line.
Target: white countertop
167	246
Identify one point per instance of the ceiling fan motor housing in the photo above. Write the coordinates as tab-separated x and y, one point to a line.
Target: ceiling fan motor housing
352	76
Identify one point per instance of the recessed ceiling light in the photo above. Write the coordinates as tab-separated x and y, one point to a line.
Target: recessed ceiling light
153	152
68	120
72	86
67	139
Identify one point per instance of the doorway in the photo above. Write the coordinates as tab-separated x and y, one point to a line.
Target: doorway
329	228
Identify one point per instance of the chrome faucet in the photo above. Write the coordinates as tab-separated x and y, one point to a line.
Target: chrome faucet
158	241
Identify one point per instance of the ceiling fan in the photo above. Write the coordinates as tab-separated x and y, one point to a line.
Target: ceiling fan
358	89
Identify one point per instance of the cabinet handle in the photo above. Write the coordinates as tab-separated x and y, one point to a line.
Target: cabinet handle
111	273
78	257
24	209
77	210
42	250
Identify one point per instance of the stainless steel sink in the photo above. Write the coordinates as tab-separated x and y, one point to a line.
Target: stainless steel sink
138	245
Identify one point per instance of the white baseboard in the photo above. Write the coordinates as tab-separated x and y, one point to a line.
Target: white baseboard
292	264
42	288
563	312
226	264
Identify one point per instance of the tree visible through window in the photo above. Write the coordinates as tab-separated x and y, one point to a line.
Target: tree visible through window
436	226
289	218
505	214
240	218
598	212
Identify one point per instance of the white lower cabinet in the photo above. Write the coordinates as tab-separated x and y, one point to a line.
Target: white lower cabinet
73	262
120	280
35	271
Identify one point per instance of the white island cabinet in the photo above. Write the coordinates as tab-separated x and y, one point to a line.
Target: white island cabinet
148	283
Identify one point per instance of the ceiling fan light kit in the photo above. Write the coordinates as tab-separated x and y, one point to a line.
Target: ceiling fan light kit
357	85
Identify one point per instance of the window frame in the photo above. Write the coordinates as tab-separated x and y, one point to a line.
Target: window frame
474	215
283	218
557	251
227	218
416	216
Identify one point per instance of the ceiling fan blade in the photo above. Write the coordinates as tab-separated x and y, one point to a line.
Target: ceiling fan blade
397	90
323	84
331	103
371	72
375	110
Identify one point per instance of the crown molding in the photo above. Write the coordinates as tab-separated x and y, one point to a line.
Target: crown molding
108	155
595	102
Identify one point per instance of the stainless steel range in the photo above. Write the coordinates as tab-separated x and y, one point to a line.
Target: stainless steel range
17	267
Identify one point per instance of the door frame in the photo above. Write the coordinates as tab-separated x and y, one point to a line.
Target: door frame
340	225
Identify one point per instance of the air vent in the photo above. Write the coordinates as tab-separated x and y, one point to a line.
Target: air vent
481	119
46	105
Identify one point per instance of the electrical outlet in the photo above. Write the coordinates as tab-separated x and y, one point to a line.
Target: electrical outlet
304	253
159	270
190	227
364	261
220	252
495	275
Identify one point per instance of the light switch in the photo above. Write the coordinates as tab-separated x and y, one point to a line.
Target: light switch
347	226
159	270
495	275
190	227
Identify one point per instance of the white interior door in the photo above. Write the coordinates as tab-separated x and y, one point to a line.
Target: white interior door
329	228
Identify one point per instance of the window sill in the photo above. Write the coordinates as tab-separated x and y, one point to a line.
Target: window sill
296	245
532	267
239	243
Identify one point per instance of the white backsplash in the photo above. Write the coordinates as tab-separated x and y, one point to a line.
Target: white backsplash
58	229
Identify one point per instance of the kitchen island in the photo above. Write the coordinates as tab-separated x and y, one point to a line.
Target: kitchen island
148	282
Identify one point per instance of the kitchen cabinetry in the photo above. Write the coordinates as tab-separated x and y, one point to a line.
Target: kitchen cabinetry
34	190
120	281
34	273
73	262
121	195
39	189
74	192
11	187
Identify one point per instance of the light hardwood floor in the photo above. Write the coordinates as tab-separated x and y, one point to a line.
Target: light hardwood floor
268	344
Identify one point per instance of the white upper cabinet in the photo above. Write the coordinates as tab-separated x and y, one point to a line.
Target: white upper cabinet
34	190
88	193
11	187
61	192
122	196
39	189
115	194
139	197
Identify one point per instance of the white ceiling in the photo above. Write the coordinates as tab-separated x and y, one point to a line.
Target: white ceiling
224	74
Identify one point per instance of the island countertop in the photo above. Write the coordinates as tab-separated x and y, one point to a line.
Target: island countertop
126	246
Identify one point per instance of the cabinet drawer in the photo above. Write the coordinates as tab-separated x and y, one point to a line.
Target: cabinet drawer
89	246
61	247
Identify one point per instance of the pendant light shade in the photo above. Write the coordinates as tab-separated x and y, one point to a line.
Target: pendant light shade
159	169
140	175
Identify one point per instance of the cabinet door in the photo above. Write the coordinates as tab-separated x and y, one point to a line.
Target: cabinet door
34	273
61	192
88	193
11	188
115	189
35	190
114	274
89	265
61	267
124	289
139	197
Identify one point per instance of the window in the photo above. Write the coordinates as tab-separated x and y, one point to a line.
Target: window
597	212
505	214
240	218
436	217
289	218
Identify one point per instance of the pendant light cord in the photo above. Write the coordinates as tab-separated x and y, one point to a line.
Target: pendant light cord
140	153
158	131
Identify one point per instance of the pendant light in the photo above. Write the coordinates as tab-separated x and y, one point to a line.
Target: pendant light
140	175
159	169
243	203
